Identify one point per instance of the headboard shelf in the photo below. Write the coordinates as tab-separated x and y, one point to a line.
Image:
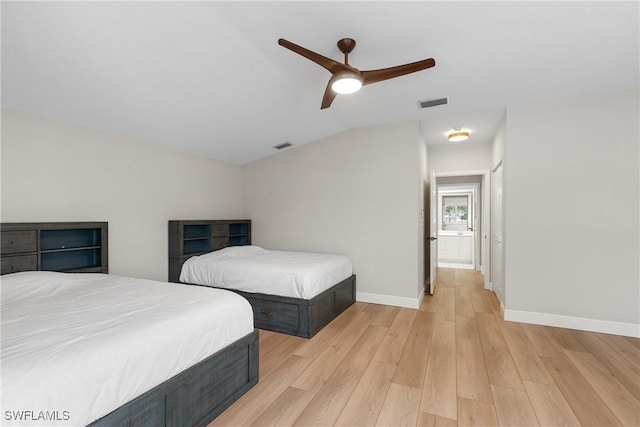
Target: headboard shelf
54	246
192	237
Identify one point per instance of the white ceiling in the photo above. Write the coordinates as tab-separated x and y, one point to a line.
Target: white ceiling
209	77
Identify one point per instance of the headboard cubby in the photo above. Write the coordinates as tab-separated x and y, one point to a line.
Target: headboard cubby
190	238
74	247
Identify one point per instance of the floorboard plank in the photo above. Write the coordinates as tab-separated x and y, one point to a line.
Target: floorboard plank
320	341
439	390
273	358
479	301
285	409
463	302
391	348
513	407
429	303
365	403
619	400
401	407
582	398
328	360
430	420
472	413
622	346
413	362
500	365
564	338
447	304
326	406
263	335
545	346
384	314
626	372
550	406
445	277
472	379
524	354
633	340
246	411
271	342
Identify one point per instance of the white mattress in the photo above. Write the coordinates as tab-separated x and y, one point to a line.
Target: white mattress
84	344
257	270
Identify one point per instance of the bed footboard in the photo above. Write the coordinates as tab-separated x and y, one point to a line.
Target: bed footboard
196	396
304	318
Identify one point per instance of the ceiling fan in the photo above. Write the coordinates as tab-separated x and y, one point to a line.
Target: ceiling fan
345	78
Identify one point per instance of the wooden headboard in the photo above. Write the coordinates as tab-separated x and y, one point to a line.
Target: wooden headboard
79	247
190	238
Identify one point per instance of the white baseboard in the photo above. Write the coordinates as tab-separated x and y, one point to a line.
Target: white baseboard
389	300
421	298
488	284
581	324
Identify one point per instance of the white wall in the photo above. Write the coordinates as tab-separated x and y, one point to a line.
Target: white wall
356	193
56	172
469	156
572	214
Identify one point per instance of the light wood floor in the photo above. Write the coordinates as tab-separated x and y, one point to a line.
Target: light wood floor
453	362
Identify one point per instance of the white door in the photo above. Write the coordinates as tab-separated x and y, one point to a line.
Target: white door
496	231
433	232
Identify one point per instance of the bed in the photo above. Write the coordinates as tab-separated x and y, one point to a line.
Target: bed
272	281
183	353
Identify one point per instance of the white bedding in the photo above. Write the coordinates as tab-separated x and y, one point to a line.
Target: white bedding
257	270
81	345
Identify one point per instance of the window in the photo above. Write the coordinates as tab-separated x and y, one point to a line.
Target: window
455	213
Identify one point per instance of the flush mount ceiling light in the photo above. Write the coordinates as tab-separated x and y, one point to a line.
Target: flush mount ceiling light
345	82
458	135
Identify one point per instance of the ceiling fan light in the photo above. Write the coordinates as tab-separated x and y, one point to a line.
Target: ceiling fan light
458	135
346	82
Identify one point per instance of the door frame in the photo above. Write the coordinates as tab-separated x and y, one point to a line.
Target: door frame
497	234
471	190
485	190
433	232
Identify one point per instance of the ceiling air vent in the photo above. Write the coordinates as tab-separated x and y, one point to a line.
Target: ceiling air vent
283	146
433	102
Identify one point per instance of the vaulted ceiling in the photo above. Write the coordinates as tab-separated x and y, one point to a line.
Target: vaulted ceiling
209	77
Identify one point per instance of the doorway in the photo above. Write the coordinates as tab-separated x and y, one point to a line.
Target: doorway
475	185
457	226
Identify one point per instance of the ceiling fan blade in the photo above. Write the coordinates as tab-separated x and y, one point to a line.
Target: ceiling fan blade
373	76
329	96
323	61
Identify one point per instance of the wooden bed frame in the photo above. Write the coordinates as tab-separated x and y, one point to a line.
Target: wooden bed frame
193	397
196	396
293	316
